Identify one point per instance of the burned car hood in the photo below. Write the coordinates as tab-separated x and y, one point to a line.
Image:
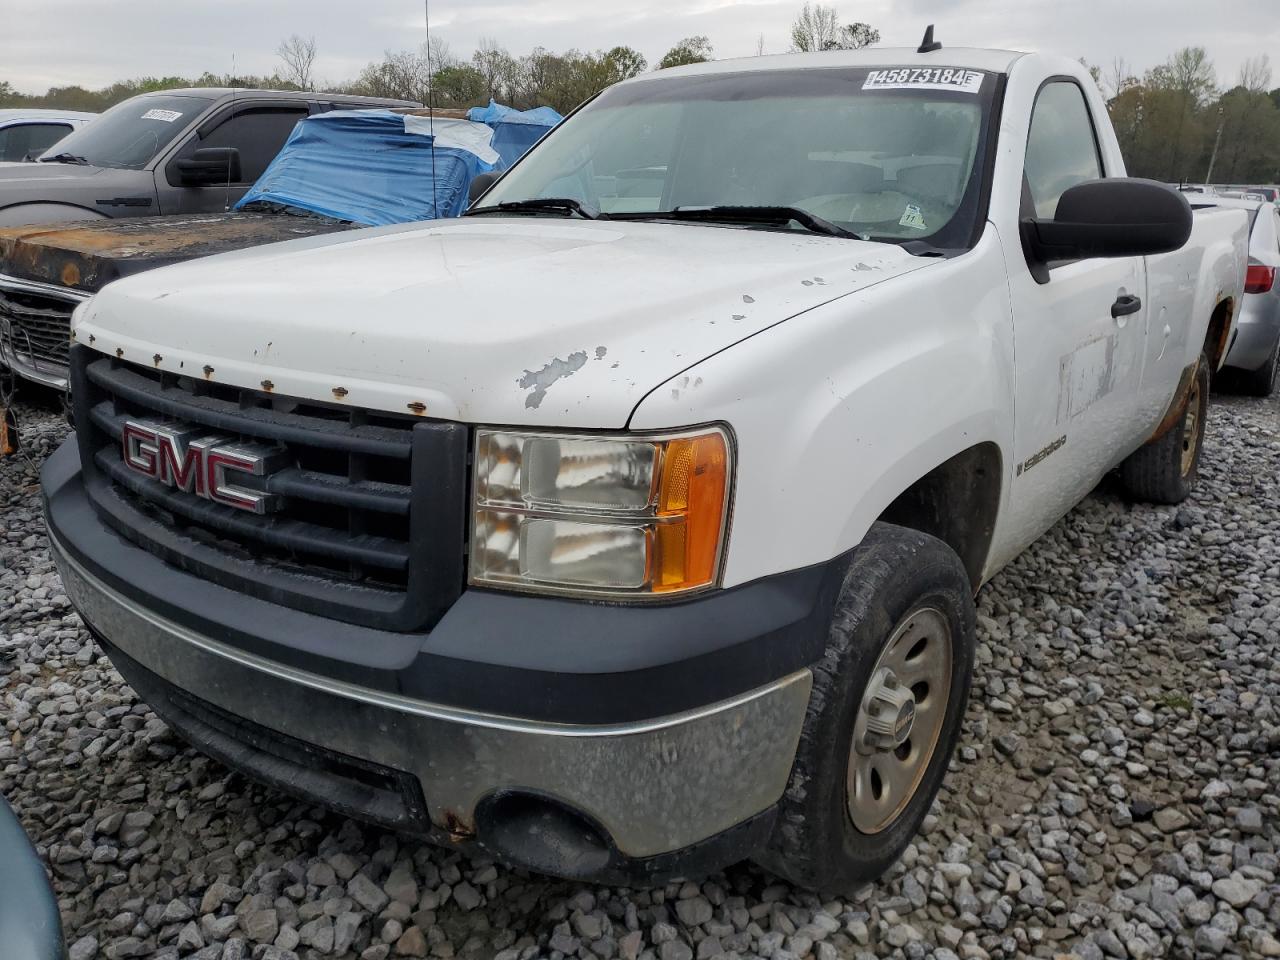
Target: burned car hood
87	255
539	321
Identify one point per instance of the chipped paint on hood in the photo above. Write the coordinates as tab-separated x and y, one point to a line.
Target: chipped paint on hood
536	321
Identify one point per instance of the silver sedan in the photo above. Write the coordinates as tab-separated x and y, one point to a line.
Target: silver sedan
1255	353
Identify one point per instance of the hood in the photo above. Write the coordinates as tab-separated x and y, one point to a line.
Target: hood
87	255
38	173
519	320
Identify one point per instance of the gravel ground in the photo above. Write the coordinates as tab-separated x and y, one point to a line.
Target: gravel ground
1117	791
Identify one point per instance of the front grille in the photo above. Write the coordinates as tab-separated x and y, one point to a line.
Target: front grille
35	327
370	528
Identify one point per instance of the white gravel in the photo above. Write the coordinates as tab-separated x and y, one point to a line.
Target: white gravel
1116	794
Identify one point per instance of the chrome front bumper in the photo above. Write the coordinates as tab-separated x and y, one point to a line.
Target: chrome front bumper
655	786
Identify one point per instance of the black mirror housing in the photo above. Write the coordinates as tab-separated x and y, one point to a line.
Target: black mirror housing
1118	217
479	184
210	166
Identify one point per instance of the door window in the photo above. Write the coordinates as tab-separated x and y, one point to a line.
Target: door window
1062	149
24	140
258	134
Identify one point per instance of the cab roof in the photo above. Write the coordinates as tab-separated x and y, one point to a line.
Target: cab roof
991	61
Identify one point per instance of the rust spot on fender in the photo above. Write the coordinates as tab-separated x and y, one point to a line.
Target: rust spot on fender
92	338
268	386
119	352
208	371
340	392
70	274
1178	403
156	359
418	407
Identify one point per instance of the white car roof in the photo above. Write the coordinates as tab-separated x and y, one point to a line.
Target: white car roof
992	61
24	113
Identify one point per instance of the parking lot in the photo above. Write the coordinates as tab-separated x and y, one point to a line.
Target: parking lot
1115	792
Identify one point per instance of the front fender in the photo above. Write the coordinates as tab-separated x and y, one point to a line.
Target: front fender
837	411
23	214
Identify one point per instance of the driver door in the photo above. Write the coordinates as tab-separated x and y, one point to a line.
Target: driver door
256	130
1079	332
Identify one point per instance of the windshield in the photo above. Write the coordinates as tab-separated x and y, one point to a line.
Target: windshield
130	134
892	154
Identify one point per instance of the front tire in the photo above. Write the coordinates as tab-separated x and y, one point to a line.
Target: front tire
1166	469
888	698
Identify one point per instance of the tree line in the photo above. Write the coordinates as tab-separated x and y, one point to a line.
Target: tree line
432	71
1175	121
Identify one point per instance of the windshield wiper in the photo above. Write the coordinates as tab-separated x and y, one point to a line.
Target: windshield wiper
65	158
565	204
772	215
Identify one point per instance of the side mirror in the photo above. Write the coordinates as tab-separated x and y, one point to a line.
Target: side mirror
1117	217
481	183
209	166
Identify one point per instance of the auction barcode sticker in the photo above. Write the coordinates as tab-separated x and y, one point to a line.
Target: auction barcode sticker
925	78
168	116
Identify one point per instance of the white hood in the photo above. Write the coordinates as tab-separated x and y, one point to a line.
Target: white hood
518	320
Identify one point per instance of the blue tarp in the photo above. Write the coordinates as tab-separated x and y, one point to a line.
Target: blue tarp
514	131
364	166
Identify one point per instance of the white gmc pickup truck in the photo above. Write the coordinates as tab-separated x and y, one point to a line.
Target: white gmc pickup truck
629	526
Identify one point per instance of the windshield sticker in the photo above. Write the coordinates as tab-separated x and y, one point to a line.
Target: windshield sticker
912	217
925	78
168	116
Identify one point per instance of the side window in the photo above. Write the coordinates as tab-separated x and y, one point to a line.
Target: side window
257	133
1062	149
29	140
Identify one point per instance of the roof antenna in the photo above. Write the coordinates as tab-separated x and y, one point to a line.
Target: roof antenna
928	44
431	108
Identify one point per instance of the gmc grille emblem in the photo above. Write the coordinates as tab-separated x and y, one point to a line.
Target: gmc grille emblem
206	464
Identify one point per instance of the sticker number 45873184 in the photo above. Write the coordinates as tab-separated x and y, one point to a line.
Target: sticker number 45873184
925	78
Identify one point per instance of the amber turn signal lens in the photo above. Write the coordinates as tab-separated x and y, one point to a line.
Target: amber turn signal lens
692	488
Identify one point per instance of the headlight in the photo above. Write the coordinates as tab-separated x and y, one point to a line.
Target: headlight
598	515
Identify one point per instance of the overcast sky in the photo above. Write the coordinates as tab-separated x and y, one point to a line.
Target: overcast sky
47	43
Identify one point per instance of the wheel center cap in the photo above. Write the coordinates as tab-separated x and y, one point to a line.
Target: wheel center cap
890	710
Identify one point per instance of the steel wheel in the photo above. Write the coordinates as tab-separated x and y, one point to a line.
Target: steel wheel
899	720
1191	428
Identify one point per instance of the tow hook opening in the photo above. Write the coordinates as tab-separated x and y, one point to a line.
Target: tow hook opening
542	834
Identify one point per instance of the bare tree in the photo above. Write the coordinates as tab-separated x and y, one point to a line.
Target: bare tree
1119	76
815	28
1255	74
818	28
760	46
298	55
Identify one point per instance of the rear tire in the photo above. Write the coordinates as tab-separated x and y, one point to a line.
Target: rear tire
1165	470
906	609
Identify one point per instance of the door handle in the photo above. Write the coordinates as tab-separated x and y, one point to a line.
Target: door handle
1126	305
